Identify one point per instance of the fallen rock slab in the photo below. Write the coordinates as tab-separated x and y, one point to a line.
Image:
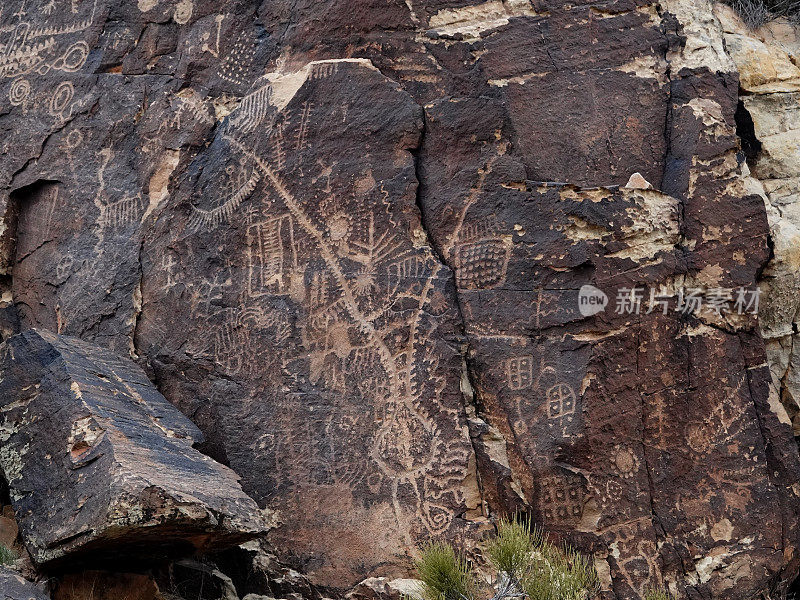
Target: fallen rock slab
14	587
100	464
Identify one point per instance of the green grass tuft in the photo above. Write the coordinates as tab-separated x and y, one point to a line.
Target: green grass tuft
512	550
658	594
528	567
445	574
7	556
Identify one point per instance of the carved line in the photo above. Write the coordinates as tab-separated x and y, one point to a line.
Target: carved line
214	217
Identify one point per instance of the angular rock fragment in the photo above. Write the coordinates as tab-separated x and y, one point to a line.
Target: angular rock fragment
98	462
199	581
14	587
254	569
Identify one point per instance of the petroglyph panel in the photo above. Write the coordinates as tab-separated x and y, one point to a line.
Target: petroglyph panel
328	290
32	53
607	438
327	287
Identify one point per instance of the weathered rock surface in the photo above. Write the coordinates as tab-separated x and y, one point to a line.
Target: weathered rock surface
381	588
348	238
254	569
14	587
323	318
768	61
100	465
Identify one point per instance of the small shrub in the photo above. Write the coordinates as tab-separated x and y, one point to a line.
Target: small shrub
756	13
510	552
658	594
527	565
445	574
7	556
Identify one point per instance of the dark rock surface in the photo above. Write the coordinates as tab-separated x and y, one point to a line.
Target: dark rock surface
100	465
347	240
322	321
99	585
14	587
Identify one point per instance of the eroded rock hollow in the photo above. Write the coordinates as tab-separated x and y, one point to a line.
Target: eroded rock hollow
348	240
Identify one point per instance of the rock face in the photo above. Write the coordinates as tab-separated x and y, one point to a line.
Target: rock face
329	326
100	465
768	61
14	587
349	240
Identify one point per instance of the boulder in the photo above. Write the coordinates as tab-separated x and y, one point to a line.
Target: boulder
99	464
14	587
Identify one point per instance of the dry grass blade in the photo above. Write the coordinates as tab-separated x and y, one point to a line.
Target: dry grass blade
756	13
